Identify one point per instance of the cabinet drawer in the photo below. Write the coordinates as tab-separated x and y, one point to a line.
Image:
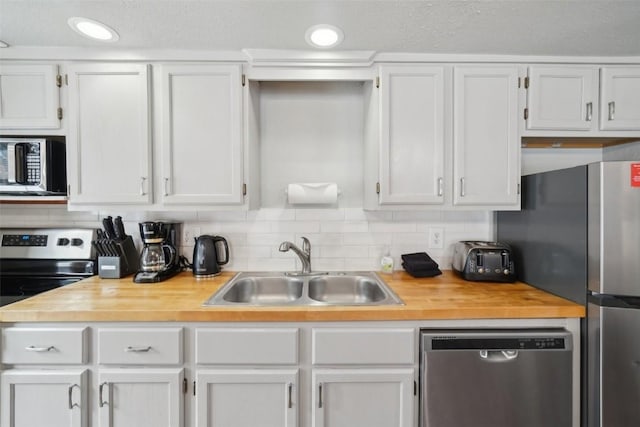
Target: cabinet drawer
44	345
247	346
363	346
140	346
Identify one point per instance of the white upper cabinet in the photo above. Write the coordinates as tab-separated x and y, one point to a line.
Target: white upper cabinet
201	135
109	144
486	146
561	97
620	98
29	96
411	134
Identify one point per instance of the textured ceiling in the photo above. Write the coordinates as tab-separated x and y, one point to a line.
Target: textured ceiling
518	27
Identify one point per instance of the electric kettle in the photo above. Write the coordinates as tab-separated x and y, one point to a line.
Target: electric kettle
206	260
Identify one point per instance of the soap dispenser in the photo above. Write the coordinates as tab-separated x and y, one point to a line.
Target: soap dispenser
386	262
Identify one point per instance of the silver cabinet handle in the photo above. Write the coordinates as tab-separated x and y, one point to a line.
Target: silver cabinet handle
142	181
463	189
290	393
132	349
612	110
71	404
319	395
589	111
101	401
38	349
166	186
440	186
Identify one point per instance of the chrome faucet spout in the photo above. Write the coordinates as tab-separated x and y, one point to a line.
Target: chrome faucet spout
304	254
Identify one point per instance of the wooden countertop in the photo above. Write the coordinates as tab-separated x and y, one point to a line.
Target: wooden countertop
181	298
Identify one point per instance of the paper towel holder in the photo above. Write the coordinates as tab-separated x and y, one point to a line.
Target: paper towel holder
312	193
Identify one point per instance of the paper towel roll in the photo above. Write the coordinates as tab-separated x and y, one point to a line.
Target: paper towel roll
312	193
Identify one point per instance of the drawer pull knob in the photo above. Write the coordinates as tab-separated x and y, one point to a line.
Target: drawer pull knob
40	349
71	403
132	349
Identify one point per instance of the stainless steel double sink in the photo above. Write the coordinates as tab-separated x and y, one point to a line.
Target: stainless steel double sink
315	289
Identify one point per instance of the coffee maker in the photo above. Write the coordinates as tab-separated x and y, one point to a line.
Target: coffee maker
159	258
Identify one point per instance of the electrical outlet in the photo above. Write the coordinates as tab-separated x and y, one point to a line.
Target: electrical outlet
188	234
436	238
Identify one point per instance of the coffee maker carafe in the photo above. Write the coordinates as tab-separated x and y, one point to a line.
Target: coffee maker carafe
159	259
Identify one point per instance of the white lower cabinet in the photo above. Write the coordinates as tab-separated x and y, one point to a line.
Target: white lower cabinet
247	397
381	397
141	397
51	398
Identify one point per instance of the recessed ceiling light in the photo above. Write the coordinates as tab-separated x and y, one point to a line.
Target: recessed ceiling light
324	36
93	29
3	44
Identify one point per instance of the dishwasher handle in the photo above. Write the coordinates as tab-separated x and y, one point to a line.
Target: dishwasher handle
498	355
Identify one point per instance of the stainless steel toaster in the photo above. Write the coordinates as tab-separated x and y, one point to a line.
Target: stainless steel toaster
483	261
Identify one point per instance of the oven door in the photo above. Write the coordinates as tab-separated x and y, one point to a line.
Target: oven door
14	288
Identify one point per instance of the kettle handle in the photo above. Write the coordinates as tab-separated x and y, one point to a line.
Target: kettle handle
172	256
226	249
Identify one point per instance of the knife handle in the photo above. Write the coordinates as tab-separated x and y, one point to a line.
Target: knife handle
119	228
107	223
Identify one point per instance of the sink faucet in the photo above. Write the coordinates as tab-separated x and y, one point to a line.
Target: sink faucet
304	254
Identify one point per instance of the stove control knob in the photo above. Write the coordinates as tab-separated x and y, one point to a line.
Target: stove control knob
76	242
63	241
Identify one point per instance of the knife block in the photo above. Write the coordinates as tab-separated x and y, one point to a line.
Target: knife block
126	263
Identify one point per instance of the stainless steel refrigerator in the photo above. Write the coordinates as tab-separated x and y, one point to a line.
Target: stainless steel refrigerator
578	236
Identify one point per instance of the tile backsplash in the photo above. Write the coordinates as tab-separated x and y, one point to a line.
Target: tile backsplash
341	239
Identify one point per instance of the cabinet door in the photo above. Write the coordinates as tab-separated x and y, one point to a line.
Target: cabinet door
562	98
411	135
202	134
486	145
43	398
29	96
247	398
108	146
620	98
363	398
141	397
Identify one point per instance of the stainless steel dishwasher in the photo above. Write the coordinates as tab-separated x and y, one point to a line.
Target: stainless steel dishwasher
496	378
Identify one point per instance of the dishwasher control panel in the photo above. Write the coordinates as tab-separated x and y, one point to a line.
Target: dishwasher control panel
520	343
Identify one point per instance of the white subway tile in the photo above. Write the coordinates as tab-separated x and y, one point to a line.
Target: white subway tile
250	251
272	214
319	214
410	239
269	239
344	227
241	227
367	238
210	216
343	251
392	227
418	216
357	214
327	264
296	226
361	264
270	264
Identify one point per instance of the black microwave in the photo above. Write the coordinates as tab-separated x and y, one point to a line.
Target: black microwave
33	165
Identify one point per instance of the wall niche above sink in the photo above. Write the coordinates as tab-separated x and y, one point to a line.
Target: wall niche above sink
307	132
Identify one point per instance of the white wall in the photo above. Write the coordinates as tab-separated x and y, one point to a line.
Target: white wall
341	238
